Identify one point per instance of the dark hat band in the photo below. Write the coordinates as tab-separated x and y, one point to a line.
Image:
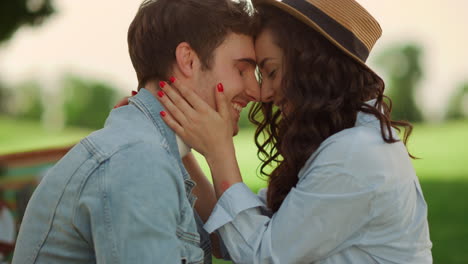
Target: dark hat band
337	31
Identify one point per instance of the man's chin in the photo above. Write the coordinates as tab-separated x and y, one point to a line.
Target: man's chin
235	131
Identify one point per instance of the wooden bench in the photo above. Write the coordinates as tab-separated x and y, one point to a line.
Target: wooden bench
19	175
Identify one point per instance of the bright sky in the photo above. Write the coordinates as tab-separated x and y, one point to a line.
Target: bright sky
88	37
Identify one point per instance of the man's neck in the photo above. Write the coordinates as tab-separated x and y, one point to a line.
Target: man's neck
153	88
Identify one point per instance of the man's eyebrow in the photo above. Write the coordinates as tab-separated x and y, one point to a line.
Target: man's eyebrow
262	63
248	60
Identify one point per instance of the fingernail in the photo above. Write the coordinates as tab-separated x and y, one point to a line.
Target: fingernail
160	94
162	84
162	113
134	93
172	79
220	87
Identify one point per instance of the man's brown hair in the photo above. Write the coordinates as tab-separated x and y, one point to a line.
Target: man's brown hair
161	25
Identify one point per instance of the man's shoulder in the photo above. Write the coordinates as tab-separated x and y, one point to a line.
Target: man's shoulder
138	166
127	139
131	148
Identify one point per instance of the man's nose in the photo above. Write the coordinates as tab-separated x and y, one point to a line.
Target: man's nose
253	90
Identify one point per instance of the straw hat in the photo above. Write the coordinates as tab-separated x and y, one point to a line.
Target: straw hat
343	22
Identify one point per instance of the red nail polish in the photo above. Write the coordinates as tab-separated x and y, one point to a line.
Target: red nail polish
172	79
134	93
162	113
220	87
162	84
160	93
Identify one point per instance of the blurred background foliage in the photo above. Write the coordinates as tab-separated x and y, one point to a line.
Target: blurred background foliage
402	65
84	103
3	98
458	105
87	103
26	101
16	13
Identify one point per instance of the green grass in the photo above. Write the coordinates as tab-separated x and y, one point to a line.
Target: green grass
20	136
443	150
442	170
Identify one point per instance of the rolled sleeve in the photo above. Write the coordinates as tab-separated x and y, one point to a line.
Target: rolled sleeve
304	220
234	200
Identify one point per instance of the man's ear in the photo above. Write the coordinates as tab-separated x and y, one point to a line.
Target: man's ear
186	59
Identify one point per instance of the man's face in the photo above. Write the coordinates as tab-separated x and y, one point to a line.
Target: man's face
233	65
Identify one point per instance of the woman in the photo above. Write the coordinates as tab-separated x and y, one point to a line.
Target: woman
342	189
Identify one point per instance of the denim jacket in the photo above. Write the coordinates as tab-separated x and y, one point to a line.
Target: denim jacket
121	195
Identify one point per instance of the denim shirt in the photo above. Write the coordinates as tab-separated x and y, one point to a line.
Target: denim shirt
121	195
357	200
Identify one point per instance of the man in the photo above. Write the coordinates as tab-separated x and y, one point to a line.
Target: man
122	195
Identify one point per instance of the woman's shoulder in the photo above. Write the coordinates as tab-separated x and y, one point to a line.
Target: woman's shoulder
352	142
361	154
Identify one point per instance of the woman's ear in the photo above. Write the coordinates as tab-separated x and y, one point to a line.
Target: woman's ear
186	59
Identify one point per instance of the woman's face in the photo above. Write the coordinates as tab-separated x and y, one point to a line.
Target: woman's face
270	62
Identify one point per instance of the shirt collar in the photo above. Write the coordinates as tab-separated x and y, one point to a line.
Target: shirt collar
184	149
365	118
152	108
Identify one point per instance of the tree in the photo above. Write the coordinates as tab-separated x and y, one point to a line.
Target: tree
27	101
458	106
16	13
403	66
3	98
87	103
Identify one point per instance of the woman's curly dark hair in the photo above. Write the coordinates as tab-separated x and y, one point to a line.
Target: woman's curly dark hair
324	89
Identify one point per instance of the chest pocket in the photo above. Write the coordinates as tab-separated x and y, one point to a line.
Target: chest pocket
187	232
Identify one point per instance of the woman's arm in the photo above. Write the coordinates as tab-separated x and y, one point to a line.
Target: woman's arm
224	169
203	190
206	200
320	216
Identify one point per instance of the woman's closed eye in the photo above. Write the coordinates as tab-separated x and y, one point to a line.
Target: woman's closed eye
272	74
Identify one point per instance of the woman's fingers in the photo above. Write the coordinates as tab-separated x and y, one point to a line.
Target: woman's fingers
173	108
122	102
221	102
173	124
176	99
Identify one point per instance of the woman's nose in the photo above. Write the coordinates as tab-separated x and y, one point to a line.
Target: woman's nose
266	93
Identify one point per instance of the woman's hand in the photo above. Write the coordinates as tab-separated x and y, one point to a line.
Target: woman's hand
124	101
205	129
208	131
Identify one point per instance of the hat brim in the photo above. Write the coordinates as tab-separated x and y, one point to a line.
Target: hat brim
304	19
